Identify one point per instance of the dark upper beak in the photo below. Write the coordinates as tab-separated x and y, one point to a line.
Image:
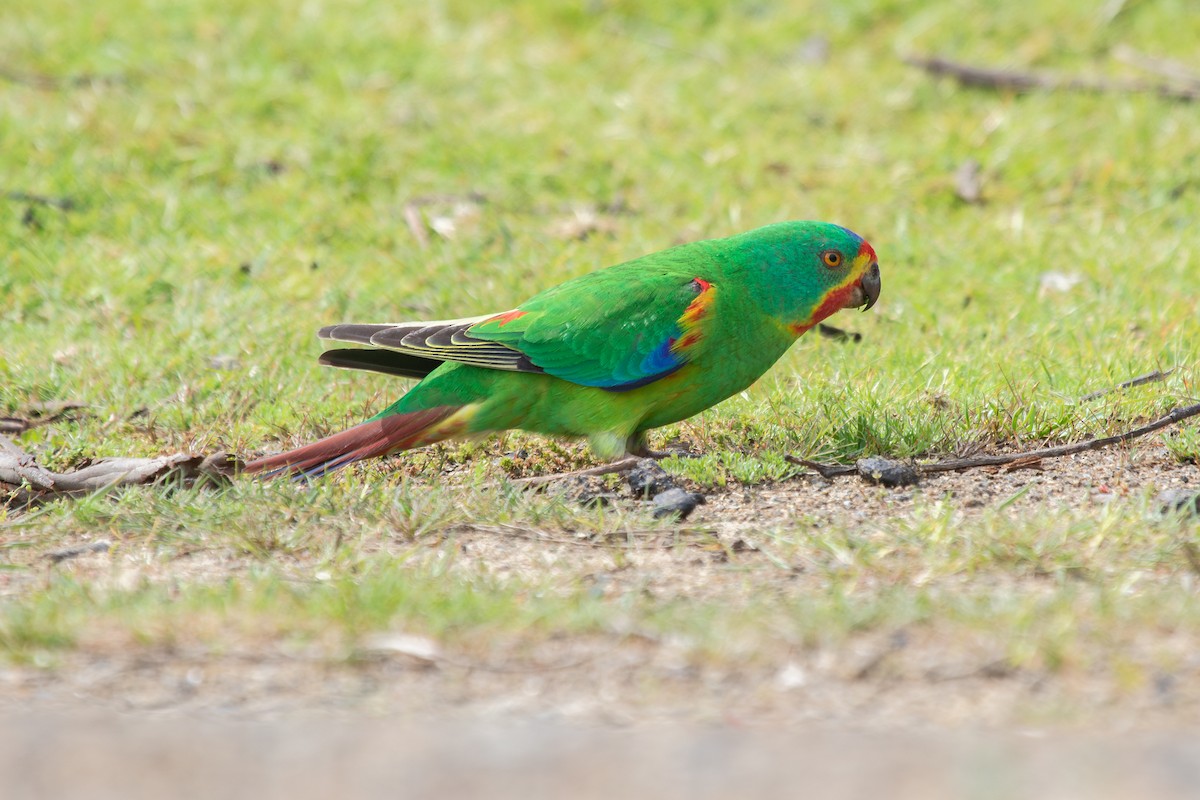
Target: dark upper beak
870	285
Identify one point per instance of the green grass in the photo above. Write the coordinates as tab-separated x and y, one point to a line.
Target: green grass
240	174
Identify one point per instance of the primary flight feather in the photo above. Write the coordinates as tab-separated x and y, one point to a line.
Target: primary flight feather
609	355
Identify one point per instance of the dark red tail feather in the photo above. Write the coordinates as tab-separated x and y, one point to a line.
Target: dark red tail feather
375	437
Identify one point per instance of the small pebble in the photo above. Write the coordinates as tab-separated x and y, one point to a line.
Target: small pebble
648	479
676	501
886	472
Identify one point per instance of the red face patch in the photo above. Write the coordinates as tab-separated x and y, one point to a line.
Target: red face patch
867	250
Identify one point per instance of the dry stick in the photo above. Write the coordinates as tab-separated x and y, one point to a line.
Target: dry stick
1017	81
604	469
955	465
824	470
23	481
1149	377
58	556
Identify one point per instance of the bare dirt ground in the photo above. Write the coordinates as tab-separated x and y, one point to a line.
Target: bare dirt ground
133	758
894	713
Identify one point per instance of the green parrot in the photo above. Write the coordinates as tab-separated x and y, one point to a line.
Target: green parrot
609	355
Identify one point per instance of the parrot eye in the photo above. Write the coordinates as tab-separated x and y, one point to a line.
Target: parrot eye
832	258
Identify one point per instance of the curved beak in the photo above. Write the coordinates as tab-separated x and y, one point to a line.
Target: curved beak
870	285
866	292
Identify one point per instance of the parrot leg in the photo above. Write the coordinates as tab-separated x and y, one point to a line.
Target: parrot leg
612	445
637	445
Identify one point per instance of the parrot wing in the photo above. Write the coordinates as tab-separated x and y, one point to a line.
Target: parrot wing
617	329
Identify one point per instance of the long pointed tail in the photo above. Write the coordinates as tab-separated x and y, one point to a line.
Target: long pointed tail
375	437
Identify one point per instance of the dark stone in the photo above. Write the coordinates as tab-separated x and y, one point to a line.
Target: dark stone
648	479
886	472
676	501
1174	501
588	492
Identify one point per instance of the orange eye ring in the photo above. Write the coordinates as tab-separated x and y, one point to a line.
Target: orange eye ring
832	258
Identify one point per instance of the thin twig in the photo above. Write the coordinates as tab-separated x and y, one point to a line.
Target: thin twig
1026	458
1021	81
38	414
61	203
1149	377
824	470
629	462
1175	416
58	556
1163	67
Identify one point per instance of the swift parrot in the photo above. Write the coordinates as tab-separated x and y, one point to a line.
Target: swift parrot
609	355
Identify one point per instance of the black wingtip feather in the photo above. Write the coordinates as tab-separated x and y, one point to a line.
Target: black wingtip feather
388	362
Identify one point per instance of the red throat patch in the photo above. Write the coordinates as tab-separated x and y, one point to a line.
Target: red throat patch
833	302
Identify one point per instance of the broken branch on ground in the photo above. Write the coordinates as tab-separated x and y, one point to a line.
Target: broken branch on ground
23	481
1016	460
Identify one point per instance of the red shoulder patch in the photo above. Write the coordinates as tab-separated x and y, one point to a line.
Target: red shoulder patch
507	317
698	307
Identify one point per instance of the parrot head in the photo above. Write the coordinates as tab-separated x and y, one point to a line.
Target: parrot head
810	270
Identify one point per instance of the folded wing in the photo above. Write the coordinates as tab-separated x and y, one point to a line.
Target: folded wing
617	329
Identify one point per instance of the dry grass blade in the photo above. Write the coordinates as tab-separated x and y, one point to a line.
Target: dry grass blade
416	224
